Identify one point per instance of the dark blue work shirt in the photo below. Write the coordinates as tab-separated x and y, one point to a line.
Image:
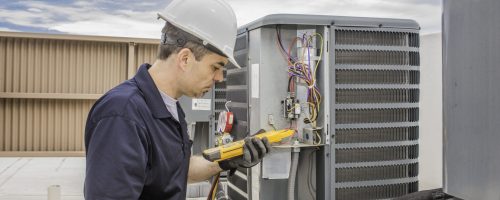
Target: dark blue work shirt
135	148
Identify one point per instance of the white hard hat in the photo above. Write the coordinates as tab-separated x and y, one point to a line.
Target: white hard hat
212	21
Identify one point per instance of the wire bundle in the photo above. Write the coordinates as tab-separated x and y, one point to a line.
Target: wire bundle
299	69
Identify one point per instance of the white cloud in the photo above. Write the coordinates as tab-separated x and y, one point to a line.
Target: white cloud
35	10
137	19
85	18
25	18
111	25
8	29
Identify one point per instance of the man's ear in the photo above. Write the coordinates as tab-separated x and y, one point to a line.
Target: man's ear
183	58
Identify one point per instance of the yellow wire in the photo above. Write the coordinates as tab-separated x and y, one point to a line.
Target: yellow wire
319	138
320	53
313	114
316	93
215	188
295	106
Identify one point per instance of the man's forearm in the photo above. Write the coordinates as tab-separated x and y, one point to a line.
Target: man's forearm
201	169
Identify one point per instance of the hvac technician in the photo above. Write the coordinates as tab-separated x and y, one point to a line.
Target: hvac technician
136	139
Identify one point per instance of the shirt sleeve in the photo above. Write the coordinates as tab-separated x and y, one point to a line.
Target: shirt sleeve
116	160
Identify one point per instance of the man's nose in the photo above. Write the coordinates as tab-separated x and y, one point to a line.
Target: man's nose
219	76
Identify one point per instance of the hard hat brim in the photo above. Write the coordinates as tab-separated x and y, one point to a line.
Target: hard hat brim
233	61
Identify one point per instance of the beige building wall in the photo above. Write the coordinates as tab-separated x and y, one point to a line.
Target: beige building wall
48	83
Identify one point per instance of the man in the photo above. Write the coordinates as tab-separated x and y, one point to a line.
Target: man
136	138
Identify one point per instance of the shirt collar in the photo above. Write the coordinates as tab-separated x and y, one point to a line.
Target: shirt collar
167	99
151	93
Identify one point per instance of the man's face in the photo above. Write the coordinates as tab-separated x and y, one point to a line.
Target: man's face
201	75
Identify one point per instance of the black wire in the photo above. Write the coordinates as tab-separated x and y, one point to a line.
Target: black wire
278	35
289	82
280	43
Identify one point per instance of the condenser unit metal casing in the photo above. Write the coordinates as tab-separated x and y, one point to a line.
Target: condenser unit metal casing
471	74
369	79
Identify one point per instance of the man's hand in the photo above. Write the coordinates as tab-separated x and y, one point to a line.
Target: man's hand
253	151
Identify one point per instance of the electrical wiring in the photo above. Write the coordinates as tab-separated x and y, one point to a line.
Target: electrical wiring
320	52
214	187
316	93
298	69
280	45
318	138
301	69
294	107
311	115
290	79
317	135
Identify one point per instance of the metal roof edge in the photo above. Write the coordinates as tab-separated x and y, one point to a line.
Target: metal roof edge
78	37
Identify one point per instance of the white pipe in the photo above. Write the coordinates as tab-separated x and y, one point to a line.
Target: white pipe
54	192
293	173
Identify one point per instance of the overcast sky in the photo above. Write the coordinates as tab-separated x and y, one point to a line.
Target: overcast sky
137	18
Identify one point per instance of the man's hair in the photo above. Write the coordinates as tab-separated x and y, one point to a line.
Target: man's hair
175	39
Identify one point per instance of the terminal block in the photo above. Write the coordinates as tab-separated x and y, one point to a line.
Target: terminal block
291	108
